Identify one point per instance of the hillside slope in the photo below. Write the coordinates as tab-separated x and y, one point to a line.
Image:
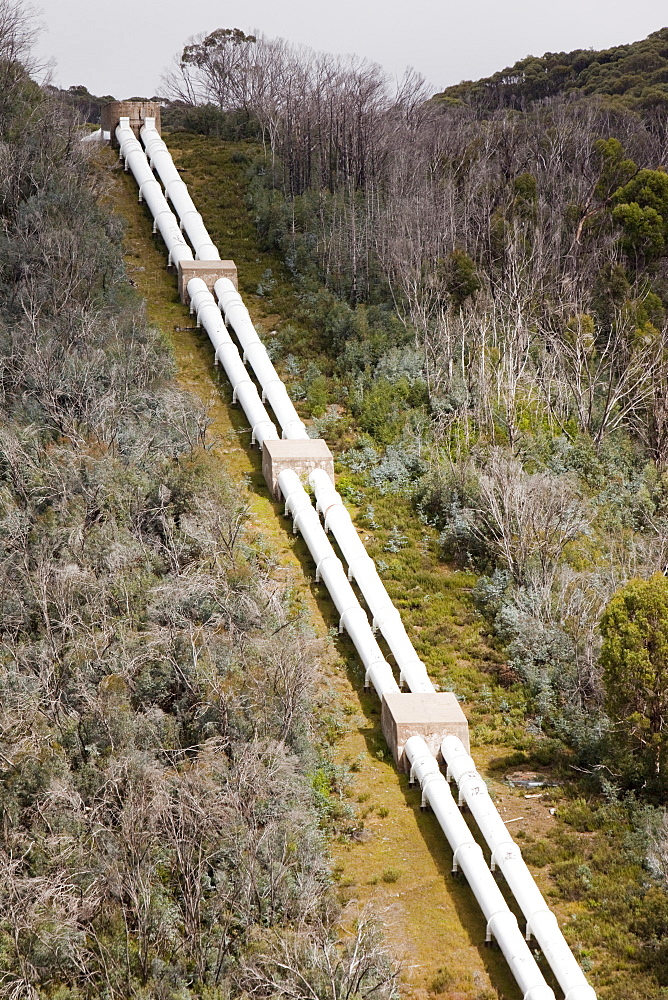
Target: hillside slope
633	76
600	892
388	853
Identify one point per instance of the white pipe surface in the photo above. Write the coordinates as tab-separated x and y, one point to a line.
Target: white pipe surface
467	855
362	569
93	136
541	922
352	617
244	390
234	310
177	192
273	389
151	192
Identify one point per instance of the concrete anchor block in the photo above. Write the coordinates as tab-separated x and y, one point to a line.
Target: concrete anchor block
136	111
208	270
430	715
303	456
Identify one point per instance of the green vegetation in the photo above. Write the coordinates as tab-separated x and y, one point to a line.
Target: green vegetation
472	309
477	324
634	657
163	834
396	494
435	916
625	76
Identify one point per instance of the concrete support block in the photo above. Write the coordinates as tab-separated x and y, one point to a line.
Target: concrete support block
136	111
431	716
300	456
208	270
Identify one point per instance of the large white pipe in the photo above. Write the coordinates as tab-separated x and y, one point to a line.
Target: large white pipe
244	390
362	569
202	301
231	302
329	568
177	192
273	389
151	192
93	136
541	922
467	855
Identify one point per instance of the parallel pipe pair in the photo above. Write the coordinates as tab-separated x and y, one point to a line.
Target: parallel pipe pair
467	855
254	351
232	305
362	569
150	191
244	390
329	568
202	302
177	192
540	921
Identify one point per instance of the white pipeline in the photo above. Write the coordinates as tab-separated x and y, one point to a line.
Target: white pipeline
501	923
237	315
467	855
244	390
541	922
177	192
362	569
329	568
234	310
93	136
151	192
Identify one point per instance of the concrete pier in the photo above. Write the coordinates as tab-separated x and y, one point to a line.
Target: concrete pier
431	716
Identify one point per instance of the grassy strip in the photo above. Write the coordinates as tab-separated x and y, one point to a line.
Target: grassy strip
391	853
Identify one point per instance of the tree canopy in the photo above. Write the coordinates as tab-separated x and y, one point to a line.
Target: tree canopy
634	657
631	76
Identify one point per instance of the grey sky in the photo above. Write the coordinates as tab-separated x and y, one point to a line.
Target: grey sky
120	47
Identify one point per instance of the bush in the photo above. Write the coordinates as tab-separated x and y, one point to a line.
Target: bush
391	875
582	816
634	657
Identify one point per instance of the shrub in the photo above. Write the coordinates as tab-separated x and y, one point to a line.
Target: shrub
634	657
391	875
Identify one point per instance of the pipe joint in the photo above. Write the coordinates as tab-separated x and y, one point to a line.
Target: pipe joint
501	917
504	854
428	785
421	767
318	567
467	847
351	612
544	916
235	390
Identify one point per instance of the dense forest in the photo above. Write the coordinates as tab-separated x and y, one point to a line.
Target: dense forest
161	833
625	76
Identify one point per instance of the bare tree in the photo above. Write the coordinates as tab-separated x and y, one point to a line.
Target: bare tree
526	519
314	967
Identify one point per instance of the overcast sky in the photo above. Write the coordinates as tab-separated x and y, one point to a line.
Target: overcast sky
120	47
